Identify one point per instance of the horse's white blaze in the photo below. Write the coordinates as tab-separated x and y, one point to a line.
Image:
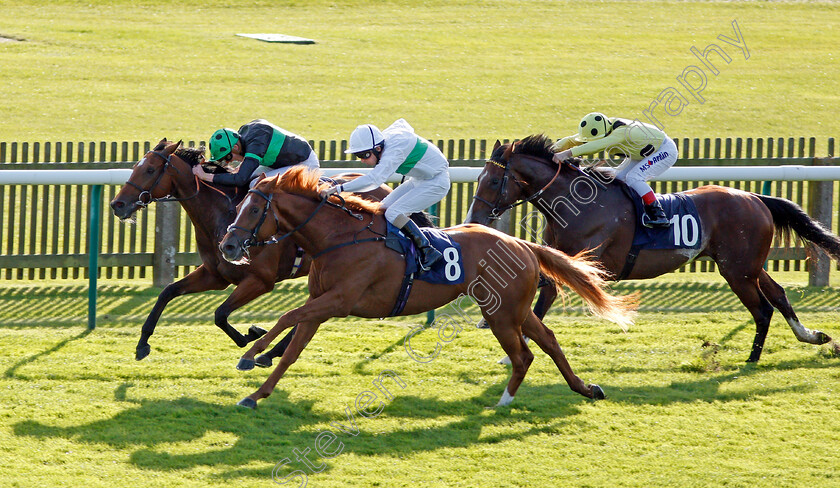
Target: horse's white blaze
803	333
141	162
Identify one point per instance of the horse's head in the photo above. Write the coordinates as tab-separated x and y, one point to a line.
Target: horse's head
247	228
151	179
515	173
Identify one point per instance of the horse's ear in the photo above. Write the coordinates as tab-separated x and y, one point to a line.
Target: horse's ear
176	145
498	143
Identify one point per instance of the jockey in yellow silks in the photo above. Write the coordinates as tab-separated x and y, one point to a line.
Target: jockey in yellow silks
647	153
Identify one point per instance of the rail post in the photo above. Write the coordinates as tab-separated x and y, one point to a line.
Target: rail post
820	197
93	251
166	243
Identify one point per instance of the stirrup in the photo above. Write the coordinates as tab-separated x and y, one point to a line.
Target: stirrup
424	266
648	222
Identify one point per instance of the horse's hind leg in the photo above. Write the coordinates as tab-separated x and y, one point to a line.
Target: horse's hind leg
777	297
245	292
195	282
544	337
265	360
510	338
748	292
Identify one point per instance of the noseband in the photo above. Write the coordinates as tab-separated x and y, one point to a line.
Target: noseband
167	163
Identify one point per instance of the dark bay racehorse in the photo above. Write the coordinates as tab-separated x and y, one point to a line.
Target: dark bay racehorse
165	174
352	273
738	227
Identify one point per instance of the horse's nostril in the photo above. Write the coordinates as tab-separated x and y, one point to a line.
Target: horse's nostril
117	204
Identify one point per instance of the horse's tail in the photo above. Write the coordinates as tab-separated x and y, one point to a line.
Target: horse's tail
587	279
789	217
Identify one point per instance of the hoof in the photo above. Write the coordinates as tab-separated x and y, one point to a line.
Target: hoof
263	361
248	403
482	324
505	360
245	364
255	333
822	337
597	392
142	352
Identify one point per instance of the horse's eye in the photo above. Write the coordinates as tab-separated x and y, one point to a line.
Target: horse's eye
494	182
254	210
150	170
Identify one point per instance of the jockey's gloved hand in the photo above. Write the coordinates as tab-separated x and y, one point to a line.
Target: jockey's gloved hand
326	192
562	156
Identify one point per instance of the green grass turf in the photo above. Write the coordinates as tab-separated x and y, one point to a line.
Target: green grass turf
127	70
78	410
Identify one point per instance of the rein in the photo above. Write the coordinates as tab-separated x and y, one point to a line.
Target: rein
496	211
252	239
167	164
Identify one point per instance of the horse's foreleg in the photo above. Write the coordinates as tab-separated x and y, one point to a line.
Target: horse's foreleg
777	297
301	338
249	289
548	293
544	337
197	281
317	310
510	338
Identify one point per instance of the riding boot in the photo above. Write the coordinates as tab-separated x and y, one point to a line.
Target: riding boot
428	254
655	216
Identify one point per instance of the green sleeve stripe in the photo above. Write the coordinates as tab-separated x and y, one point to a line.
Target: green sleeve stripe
274	146
252	155
419	150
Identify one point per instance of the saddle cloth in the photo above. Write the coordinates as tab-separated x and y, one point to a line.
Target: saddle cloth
684	232
447	271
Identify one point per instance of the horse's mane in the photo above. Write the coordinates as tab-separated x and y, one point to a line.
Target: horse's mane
304	181
539	146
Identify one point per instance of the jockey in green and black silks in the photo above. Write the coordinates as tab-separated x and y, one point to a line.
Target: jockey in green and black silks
260	147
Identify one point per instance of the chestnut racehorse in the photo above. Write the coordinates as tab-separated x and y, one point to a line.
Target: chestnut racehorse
737	227
165	174
353	274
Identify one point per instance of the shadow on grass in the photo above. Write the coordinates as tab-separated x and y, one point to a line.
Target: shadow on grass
149	428
12	372
708	388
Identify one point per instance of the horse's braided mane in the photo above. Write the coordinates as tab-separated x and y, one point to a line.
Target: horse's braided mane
304	181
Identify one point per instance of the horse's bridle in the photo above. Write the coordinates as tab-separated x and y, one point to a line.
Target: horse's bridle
252	239
495	210
166	164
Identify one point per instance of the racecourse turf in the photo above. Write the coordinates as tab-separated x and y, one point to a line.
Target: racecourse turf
682	407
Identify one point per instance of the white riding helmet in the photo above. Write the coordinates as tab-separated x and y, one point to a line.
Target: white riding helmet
364	138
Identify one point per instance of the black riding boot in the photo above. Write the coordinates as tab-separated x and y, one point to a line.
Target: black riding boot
655	216
428	254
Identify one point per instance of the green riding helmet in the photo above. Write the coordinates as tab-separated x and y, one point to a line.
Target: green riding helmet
593	127
221	143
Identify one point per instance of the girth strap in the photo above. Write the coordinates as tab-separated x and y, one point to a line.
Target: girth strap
402	298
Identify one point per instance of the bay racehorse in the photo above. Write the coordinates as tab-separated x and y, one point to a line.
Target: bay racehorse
737	227
165	174
352	273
